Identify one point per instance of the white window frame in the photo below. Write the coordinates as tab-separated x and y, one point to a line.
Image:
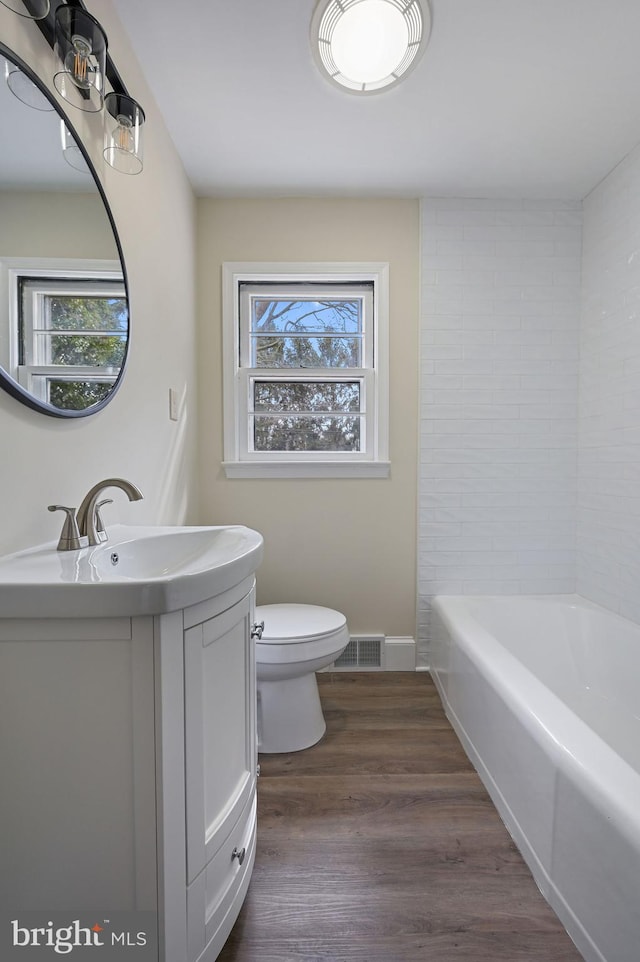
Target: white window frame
242	462
31	375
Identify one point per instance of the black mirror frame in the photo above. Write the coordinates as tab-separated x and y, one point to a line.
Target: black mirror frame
8	383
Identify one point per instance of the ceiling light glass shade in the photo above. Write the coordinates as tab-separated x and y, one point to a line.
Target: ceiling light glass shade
33	9
365	46
24	88
81	51
123	133
71	151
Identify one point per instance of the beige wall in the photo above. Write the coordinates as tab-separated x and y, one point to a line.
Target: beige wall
349	544
46	224
50	460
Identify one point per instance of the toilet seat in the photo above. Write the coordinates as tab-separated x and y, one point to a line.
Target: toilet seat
290	624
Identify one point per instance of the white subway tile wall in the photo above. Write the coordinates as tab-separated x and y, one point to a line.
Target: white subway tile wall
499	388
608	545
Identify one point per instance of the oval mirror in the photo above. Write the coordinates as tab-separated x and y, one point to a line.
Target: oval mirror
64	314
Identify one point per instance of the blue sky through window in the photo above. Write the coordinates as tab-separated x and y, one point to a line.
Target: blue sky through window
306	316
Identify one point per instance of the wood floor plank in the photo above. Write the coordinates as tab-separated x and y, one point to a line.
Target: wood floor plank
375	718
380	844
461	946
388	806
346	911
380	751
408	690
418	862
406	683
385	681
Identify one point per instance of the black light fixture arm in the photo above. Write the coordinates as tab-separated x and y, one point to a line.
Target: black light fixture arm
47	28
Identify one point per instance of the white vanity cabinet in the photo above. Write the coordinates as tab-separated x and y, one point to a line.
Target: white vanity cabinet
221	766
128	763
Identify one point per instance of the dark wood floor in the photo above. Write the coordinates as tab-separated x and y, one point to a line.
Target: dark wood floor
380	844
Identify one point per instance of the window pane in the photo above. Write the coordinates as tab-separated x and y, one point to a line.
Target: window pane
306	316
67	313
276	352
88	351
306	434
77	395
306	396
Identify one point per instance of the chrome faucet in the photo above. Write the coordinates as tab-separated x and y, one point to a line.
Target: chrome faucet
84	526
88	517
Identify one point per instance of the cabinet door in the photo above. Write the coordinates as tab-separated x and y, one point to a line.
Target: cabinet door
220	729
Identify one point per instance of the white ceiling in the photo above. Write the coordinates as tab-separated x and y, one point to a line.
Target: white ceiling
526	98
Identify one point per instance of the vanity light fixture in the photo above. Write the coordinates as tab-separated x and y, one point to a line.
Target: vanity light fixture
32	9
71	151
83	67
80	47
123	122
365	46
24	88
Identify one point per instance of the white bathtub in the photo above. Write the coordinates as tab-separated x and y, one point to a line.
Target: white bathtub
544	693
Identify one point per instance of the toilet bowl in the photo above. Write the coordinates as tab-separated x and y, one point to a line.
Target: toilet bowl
296	642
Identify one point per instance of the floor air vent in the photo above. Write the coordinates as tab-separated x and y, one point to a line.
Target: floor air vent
364	652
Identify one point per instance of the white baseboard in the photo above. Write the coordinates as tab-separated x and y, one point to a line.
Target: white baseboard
399	654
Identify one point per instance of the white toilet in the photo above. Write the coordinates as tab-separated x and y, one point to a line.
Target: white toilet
297	641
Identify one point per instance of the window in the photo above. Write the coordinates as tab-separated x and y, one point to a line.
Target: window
69	330
305	370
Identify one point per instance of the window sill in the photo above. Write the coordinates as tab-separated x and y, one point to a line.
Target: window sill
307	469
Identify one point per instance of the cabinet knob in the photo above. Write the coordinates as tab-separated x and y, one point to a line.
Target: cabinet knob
257	629
239	854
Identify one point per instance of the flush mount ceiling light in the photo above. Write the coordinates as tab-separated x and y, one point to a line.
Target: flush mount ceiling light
365	46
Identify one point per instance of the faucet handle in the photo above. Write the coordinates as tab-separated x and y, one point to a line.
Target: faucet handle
101	533
70	539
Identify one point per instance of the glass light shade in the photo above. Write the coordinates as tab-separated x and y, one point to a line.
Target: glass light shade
365	46
32	9
24	88
81	50
71	151
123	133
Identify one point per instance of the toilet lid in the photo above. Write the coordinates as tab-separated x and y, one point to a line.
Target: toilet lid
291	623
